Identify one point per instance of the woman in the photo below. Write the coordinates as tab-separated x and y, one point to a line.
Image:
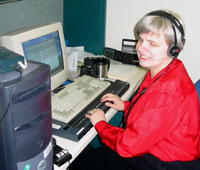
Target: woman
161	124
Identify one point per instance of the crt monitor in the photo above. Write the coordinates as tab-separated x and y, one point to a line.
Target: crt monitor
43	44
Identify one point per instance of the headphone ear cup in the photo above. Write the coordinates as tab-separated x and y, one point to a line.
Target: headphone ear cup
173	51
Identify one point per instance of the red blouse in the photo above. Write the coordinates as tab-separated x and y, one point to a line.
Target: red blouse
163	122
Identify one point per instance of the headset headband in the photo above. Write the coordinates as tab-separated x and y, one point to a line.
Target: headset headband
172	19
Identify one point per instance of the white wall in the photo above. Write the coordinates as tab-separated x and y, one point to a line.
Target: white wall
122	15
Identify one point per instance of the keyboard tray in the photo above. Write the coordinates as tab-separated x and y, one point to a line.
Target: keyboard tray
79	125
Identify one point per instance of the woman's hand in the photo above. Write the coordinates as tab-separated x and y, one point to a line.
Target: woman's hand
110	100
95	116
113	101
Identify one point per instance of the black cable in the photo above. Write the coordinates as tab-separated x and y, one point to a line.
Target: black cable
135	91
17	68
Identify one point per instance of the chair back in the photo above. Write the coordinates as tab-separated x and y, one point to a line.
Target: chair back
197	86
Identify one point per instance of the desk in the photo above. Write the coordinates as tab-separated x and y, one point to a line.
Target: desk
75	148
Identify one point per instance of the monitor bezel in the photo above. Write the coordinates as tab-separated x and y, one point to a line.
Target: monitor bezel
14	40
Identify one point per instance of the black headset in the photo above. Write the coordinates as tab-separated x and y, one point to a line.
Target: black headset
173	50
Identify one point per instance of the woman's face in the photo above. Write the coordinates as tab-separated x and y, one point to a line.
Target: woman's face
152	52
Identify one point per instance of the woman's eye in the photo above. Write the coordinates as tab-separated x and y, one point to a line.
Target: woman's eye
153	44
140	40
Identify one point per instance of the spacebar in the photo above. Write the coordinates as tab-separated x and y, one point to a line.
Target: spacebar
80	118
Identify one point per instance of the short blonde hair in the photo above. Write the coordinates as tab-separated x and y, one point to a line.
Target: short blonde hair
156	23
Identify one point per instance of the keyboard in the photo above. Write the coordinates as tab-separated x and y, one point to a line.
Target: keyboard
67	103
78	125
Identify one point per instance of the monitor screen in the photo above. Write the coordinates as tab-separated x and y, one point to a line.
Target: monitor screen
45	49
43	44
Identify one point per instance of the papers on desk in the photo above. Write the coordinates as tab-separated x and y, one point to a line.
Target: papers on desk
121	71
78	53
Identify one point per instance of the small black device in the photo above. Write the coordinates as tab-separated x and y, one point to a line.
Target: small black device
60	155
109	52
89	67
112	53
173	50
129	53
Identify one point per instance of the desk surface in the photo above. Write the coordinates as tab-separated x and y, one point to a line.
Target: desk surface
75	148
